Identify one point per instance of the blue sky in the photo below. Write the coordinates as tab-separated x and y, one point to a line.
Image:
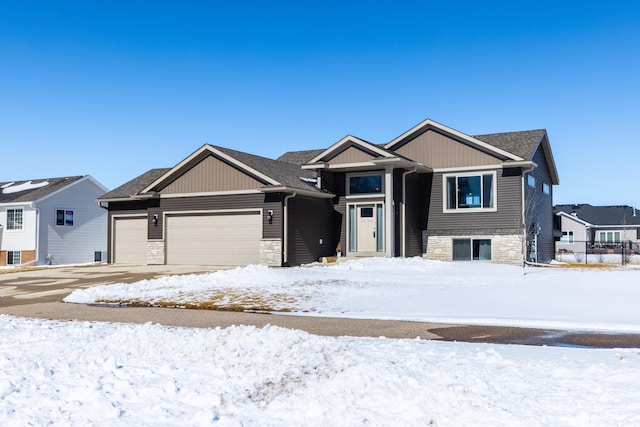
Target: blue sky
112	89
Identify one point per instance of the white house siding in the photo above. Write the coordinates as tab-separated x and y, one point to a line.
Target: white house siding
579	235
18	240
73	244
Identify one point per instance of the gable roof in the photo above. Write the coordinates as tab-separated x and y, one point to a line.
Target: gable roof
429	124
601	215
35	189
522	143
349	141
275	174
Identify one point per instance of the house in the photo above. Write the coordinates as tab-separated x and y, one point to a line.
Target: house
597	229
52	221
432	191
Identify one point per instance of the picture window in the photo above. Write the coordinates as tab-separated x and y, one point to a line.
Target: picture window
470	192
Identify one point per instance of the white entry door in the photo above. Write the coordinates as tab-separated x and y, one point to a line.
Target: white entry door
366	229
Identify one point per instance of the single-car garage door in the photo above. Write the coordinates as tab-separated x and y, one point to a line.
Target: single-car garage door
214	239
130	241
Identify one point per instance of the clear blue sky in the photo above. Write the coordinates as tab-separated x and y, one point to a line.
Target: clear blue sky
112	89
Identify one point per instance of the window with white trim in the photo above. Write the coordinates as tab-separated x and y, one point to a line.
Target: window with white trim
365	184
15	219
609	237
64	217
470	191
14	257
567	237
546	188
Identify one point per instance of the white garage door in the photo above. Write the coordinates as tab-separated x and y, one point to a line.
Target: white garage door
130	241
220	239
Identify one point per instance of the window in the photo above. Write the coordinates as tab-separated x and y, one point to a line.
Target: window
470	192
472	249
546	188
14	219
64	217
99	256
366	184
609	237
14	258
567	237
531	180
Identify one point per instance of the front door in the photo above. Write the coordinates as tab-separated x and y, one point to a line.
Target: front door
366	229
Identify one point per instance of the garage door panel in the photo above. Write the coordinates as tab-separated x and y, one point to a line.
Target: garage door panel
221	239
130	241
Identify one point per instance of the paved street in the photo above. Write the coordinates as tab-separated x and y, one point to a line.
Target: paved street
39	293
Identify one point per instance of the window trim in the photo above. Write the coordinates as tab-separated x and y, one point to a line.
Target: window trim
570	237
13	257
13	228
494	191
347	184
65	212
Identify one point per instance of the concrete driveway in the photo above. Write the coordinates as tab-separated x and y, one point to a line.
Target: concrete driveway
54	283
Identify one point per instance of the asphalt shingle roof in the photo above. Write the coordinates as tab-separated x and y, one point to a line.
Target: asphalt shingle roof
602	215
522	143
136	185
299	157
32	194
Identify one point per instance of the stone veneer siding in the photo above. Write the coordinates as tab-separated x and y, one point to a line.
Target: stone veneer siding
271	252
506	245
155	252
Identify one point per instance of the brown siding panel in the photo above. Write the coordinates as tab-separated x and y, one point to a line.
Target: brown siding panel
211	174
352	155
439	151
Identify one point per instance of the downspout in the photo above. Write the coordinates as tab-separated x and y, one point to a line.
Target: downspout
285	225
524	219
32	206
403	230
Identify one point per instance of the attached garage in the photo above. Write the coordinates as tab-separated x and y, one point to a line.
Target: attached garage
224	239
130	240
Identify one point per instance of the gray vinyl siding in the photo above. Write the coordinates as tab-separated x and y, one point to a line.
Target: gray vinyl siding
335	183
543	212
73	244
310	223
507	215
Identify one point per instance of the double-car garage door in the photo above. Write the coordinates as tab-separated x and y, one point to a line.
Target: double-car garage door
204	239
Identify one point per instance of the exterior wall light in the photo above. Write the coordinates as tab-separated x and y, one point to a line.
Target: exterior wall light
270	216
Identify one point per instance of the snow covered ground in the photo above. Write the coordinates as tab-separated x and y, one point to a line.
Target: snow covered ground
89	373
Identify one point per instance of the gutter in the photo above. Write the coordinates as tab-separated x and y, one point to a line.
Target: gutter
33	206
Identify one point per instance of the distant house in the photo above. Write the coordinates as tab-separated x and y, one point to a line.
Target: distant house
432	191
597	229
52	221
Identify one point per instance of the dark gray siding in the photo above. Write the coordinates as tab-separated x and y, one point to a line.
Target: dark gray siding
310	230
417	193
335	183
507	216
541	207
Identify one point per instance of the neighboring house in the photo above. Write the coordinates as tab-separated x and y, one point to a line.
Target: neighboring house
432	192
52	221
597	229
